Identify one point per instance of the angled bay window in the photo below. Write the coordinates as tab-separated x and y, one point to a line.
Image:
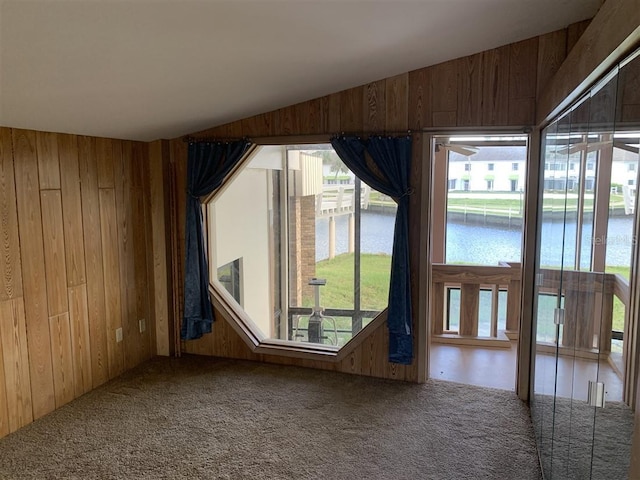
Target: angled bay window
314	241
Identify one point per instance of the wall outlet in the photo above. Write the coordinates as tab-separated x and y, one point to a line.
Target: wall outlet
143	325
119	334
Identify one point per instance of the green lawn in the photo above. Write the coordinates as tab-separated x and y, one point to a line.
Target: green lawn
377	198
505	203
622	271
338	292
618	307
491	201
374	281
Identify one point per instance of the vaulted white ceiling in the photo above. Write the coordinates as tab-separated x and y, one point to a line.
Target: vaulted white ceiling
149	69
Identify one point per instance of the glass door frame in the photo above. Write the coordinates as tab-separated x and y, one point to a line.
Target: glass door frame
437	223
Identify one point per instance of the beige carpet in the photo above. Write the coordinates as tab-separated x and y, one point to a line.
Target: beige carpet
198	417
578	442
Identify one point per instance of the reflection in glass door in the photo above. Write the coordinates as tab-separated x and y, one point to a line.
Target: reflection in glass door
587	208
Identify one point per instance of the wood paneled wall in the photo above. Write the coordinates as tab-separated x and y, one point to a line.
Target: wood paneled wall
74	268
494	88
598	47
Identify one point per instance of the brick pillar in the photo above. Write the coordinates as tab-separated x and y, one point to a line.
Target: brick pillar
302	248
308	243
295	270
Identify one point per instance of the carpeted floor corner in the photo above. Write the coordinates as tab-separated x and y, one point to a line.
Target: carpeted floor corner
204	418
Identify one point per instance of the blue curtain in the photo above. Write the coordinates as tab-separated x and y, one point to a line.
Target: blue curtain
208	164
389	174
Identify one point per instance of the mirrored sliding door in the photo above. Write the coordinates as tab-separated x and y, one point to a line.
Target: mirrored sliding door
587	211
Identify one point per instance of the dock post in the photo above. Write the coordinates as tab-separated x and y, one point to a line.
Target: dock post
352	233
332	237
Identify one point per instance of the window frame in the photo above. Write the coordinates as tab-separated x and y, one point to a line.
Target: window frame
240	321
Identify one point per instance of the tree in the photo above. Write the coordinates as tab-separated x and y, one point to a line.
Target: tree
329	157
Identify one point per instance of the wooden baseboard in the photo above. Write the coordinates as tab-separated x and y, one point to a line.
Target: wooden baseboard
550	349
512	334
617	364
454	339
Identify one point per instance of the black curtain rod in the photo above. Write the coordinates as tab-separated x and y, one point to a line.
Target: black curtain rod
192	139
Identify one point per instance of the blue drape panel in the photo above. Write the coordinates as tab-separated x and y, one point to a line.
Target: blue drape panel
389	175
208	164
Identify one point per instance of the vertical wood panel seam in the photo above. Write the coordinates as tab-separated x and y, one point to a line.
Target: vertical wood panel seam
12	180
